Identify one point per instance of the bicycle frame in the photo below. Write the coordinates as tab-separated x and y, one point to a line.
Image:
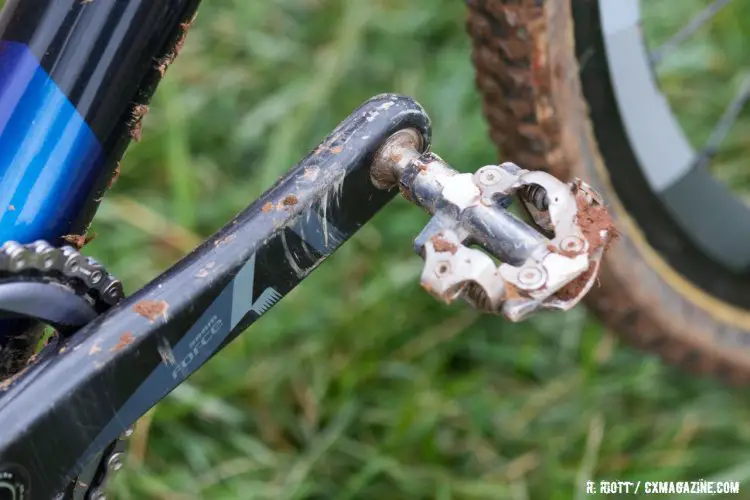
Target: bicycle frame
82	393
75	78
74	74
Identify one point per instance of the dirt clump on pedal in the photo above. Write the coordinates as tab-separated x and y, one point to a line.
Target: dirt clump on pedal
513	292
151	309
443	245
593	219
575	287
565	253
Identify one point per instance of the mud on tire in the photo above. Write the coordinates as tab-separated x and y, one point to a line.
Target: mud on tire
528	74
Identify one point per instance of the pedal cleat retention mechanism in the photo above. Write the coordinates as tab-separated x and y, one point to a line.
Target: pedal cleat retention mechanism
549	264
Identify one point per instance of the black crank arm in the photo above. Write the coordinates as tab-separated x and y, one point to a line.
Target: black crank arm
60	412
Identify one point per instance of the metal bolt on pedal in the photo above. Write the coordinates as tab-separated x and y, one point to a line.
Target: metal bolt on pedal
549	264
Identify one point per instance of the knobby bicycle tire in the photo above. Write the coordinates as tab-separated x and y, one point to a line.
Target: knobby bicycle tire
528	73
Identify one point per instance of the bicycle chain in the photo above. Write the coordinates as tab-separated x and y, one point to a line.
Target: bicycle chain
63	265
85	277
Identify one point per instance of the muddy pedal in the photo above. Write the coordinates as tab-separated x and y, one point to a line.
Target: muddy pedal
522	268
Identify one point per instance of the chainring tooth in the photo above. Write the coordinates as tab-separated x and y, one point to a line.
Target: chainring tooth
65	266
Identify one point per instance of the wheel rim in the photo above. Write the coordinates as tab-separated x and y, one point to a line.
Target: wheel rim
677	173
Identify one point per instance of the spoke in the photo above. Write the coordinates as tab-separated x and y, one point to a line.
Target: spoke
686	31
724	126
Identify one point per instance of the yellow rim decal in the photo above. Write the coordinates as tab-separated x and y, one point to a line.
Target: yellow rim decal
725	312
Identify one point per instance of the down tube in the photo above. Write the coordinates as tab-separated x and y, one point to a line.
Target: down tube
74	78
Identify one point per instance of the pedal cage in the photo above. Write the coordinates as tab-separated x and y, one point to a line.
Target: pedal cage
550	264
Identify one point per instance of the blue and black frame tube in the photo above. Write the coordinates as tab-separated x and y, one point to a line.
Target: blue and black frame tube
75	80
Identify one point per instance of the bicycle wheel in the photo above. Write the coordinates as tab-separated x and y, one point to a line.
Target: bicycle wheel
569	87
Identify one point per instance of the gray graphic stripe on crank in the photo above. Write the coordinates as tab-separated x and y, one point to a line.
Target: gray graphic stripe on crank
194	349
242	291
209	332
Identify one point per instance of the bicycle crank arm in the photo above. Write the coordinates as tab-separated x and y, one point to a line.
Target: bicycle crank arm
78	397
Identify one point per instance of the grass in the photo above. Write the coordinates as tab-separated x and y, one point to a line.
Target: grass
359	385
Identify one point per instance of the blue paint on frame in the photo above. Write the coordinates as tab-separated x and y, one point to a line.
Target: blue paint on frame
49	157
